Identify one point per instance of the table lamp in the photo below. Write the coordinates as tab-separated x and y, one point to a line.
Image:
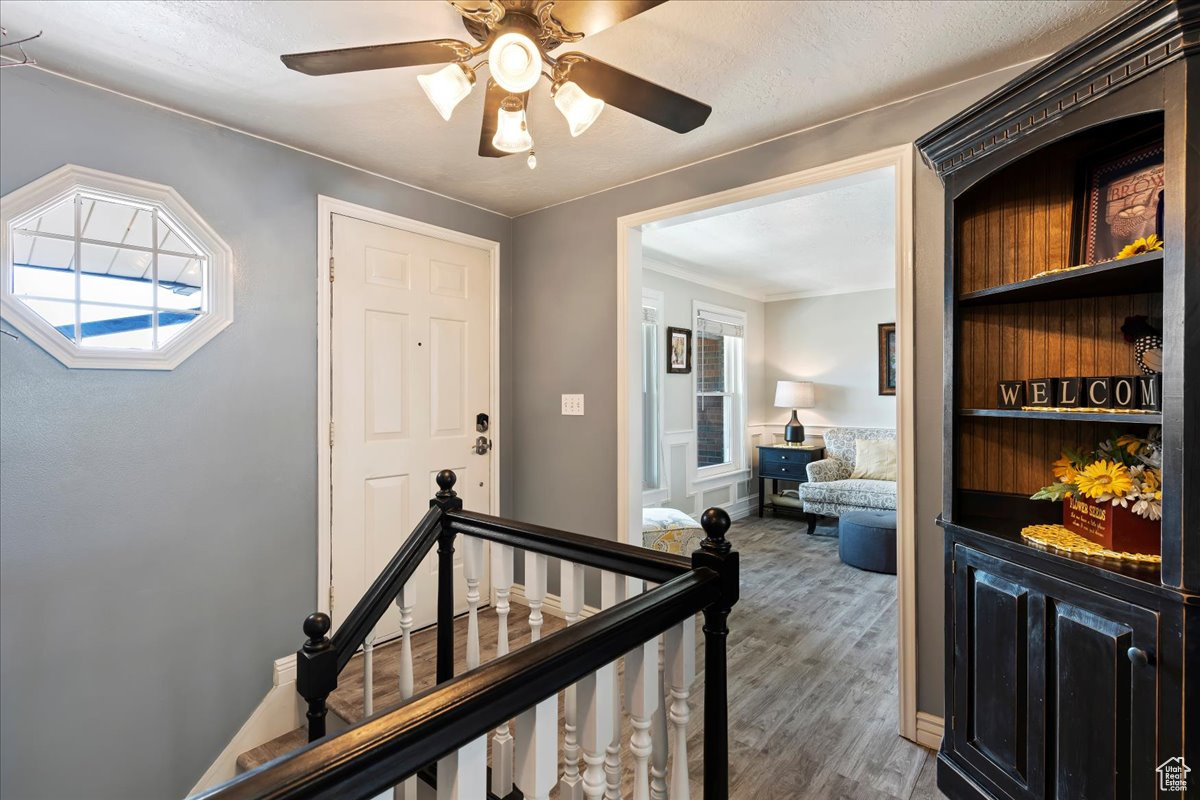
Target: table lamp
793	395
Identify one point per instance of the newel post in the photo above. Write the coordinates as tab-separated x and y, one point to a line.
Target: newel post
316	671
716	553
447	500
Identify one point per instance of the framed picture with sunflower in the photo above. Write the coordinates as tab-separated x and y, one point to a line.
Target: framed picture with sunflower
1123	202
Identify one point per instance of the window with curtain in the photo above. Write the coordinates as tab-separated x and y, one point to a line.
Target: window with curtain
720	386
651	471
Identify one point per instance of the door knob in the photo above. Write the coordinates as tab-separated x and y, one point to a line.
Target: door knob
1138	657
481	446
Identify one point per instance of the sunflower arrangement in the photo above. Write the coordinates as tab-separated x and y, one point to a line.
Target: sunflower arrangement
1124	470
1146	244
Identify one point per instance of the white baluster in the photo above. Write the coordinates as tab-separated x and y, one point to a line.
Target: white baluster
404	601
681	671
369	675
502	741
612	591
641	698
535	591
536	751
597	726
462	775
658	732
472	571
572	603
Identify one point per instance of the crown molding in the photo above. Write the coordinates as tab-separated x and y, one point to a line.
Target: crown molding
655	262
1143	39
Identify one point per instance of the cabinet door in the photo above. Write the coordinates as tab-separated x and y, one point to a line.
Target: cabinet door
1102	709
999	673
1048	700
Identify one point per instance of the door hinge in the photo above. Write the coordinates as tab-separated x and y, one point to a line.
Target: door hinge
331	433
331	599
331	269
953	563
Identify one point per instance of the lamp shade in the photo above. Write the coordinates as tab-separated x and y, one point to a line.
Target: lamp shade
447	87
578	107
512	134
795	394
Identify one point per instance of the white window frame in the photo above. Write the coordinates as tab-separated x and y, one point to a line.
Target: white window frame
737	433
33	199
652	298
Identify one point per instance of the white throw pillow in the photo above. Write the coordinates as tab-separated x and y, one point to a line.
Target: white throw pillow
874	459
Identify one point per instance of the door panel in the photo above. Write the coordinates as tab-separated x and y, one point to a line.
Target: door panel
995	714
1104	707
411	367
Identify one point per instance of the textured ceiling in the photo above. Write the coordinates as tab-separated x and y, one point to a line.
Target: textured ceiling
767	68
831	238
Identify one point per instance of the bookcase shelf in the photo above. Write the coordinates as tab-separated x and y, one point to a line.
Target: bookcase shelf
1065	416
1134	275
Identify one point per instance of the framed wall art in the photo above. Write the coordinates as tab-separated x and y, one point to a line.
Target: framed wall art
679	350
1123	202
887	358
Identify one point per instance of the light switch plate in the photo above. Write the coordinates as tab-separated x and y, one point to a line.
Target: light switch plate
572	405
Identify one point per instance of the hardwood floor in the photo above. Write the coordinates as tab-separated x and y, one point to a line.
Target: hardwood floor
812	676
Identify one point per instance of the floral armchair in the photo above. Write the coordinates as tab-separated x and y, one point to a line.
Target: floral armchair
830	489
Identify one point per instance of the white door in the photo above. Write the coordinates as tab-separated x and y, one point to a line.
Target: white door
411	361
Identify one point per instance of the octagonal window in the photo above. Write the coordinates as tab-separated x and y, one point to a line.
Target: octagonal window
109	272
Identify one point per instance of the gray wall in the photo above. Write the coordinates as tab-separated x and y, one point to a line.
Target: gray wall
832	341
565	283
158	530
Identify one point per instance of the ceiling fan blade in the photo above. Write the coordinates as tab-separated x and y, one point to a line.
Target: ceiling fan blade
491	104
638	96
588	17
379	56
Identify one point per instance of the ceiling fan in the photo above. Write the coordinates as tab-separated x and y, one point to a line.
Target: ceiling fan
514	39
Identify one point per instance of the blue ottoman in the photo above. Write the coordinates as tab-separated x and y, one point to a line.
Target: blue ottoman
867	540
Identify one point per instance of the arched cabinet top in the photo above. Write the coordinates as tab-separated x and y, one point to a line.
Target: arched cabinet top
1142	40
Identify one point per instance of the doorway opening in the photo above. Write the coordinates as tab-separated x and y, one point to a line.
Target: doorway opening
806	324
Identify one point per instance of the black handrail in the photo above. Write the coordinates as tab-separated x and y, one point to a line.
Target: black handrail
626	559
370	609
381	751
712	570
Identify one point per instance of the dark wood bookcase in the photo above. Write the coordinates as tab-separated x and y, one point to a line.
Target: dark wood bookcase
1068	677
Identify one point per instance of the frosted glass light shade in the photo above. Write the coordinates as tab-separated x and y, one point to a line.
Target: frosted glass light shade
512	134
795	394
515	62
579	107
447	87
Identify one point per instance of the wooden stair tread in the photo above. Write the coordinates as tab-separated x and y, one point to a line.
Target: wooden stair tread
279	746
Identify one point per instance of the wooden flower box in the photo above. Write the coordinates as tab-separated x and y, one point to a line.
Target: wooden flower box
1113	527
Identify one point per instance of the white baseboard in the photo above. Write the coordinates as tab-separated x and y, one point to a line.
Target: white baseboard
930	730
278	713
552	605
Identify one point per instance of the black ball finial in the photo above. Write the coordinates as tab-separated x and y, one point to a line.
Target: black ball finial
445	481
715	523
316	626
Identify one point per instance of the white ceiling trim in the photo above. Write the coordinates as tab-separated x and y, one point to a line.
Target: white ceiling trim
656	262
262	138
776	298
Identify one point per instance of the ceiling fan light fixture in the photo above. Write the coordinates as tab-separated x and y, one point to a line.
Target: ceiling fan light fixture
447	87
515	62
578	107
512	133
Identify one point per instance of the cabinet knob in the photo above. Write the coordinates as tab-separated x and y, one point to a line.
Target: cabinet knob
1138	657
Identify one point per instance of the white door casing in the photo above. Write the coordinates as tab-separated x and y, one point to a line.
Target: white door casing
411	343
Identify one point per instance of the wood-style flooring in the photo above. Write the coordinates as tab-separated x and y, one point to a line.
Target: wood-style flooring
812	677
